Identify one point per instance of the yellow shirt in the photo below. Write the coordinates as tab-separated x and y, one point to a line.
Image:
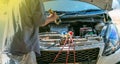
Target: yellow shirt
23	19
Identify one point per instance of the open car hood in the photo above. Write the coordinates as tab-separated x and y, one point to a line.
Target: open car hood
103	4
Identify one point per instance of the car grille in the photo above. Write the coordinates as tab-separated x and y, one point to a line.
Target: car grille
81	56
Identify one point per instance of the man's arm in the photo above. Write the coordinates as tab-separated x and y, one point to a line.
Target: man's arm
39	15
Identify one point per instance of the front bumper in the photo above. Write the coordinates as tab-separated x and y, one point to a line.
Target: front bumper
88	52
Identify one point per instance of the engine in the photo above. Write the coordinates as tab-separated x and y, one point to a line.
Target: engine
54	35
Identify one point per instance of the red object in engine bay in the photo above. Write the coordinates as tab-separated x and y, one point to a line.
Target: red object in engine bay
70	44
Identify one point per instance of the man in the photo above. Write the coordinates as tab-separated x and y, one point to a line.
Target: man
20	41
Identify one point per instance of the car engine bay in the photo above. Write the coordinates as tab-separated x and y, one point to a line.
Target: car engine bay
82	31
85	38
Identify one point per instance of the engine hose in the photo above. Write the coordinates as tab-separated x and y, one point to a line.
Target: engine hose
60	51
74	53
68	51
73	45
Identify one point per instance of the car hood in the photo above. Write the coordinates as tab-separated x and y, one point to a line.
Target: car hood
74	5
73	9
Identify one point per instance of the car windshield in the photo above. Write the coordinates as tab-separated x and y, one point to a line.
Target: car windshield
72	7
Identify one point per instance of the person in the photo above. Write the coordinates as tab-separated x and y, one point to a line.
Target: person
21	41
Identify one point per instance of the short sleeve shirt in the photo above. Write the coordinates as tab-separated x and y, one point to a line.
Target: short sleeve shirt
23	20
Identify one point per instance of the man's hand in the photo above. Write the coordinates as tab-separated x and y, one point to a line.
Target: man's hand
52	17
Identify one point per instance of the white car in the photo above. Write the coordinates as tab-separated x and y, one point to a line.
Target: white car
84	34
